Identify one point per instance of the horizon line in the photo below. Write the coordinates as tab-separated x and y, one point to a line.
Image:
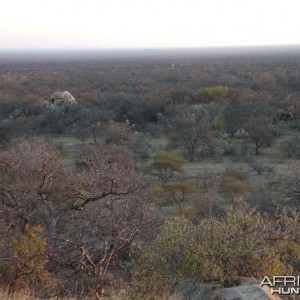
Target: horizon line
147	48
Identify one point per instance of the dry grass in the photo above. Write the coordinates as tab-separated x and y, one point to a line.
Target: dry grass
173	297
26	295
20	295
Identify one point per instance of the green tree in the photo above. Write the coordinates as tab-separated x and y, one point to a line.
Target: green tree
220	122
177	191
165	166
234	183
210	94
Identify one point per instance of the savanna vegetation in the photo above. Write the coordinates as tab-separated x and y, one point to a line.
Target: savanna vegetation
166	167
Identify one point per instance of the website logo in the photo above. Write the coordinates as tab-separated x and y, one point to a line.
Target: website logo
282	285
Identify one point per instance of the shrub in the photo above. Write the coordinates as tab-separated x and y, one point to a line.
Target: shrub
242	243
27	266
234	183
260	167
291	147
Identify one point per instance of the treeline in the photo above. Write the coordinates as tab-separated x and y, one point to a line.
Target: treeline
138	89
141	90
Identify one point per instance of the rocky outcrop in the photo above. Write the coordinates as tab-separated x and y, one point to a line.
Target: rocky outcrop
60	101
247	289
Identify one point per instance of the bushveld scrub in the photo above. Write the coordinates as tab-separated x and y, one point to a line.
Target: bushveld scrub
242	243
78	215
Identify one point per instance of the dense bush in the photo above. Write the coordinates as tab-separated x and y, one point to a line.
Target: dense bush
242	243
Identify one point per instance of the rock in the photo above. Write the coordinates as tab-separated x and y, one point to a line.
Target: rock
193	291
60	101
64	97
248	289
247	292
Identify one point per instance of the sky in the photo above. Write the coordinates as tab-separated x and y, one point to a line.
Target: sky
87	24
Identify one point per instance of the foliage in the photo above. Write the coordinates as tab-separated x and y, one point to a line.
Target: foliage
24	259
210	204
220	122
209	94
243	243
70	216
234	183
177	191
167	259
165	166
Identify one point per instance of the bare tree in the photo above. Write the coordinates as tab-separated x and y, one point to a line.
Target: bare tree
291	147
89	217
189	128
260	131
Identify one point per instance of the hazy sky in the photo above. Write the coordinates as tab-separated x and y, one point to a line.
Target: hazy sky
147	23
